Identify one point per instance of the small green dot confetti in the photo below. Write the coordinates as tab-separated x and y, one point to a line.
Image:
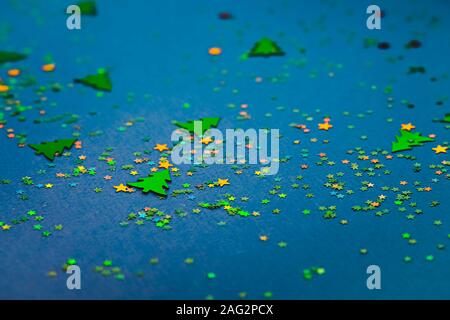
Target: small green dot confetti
107	263
211	275
71	262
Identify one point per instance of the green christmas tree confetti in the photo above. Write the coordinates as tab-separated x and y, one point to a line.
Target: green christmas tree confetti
88	8
446	118
7	56
265	48
50	149
155	182
99	81
406	140
206	124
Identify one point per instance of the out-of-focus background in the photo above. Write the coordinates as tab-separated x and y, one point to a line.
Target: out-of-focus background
307	241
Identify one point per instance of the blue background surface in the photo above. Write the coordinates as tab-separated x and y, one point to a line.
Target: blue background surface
157	54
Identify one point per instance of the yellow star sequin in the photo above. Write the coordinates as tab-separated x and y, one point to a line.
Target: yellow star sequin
121	188
440	149
222	182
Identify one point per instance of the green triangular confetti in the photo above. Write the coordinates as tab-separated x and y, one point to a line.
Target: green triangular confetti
99	81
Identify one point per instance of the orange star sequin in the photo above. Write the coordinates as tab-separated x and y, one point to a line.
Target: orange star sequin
206	140
165	164
48	67
408	126
13	72
161	147
325	126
